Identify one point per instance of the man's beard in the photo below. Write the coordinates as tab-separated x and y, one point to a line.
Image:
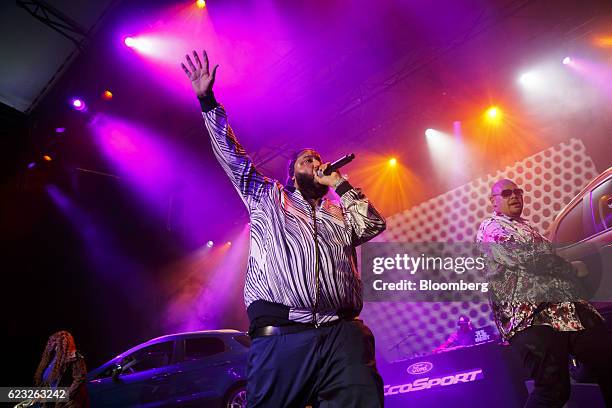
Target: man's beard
309	188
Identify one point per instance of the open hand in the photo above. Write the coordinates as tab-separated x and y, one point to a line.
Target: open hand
201	79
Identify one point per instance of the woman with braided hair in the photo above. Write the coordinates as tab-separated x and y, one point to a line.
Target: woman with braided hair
62	365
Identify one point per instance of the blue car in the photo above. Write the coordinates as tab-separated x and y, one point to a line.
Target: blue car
198	369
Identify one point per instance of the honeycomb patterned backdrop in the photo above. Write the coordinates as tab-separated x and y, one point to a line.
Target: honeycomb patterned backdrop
550	178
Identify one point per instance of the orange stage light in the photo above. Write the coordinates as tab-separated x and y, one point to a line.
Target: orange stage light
604	41
492	112
493	115
392	188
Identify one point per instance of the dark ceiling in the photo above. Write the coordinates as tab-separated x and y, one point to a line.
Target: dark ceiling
339	76
34	55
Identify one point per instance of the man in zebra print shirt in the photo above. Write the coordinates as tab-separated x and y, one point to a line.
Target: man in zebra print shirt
303	292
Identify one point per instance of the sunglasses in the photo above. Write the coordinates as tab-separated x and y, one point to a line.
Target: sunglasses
508	193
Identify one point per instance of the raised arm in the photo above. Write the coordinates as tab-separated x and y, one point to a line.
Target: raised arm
234	160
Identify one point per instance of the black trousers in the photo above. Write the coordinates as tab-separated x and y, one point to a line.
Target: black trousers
328	367
545	353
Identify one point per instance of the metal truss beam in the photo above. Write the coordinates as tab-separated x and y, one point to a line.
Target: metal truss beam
56	20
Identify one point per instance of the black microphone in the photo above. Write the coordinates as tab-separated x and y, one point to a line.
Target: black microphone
336	165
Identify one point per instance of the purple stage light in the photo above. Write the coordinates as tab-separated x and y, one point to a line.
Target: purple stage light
457	129
78	104
31	165
130	42
60	130
597	73
140	44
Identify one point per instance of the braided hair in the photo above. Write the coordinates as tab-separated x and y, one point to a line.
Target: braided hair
62	346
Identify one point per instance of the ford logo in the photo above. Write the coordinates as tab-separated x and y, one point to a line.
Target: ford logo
421	367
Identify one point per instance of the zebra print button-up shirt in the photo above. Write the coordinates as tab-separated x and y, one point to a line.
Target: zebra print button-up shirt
288	235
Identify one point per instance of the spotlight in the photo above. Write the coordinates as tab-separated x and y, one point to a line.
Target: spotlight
393	162
442	147
457	128
528	79
78	104
139	44
567	60
108	95
60	130
492	112
31	165
210	244
201	4
604	41
228	243
493	115
130	41
47	158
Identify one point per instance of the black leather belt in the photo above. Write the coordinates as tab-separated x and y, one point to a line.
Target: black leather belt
289	329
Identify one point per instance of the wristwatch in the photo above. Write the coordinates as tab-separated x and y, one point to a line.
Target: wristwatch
337	183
